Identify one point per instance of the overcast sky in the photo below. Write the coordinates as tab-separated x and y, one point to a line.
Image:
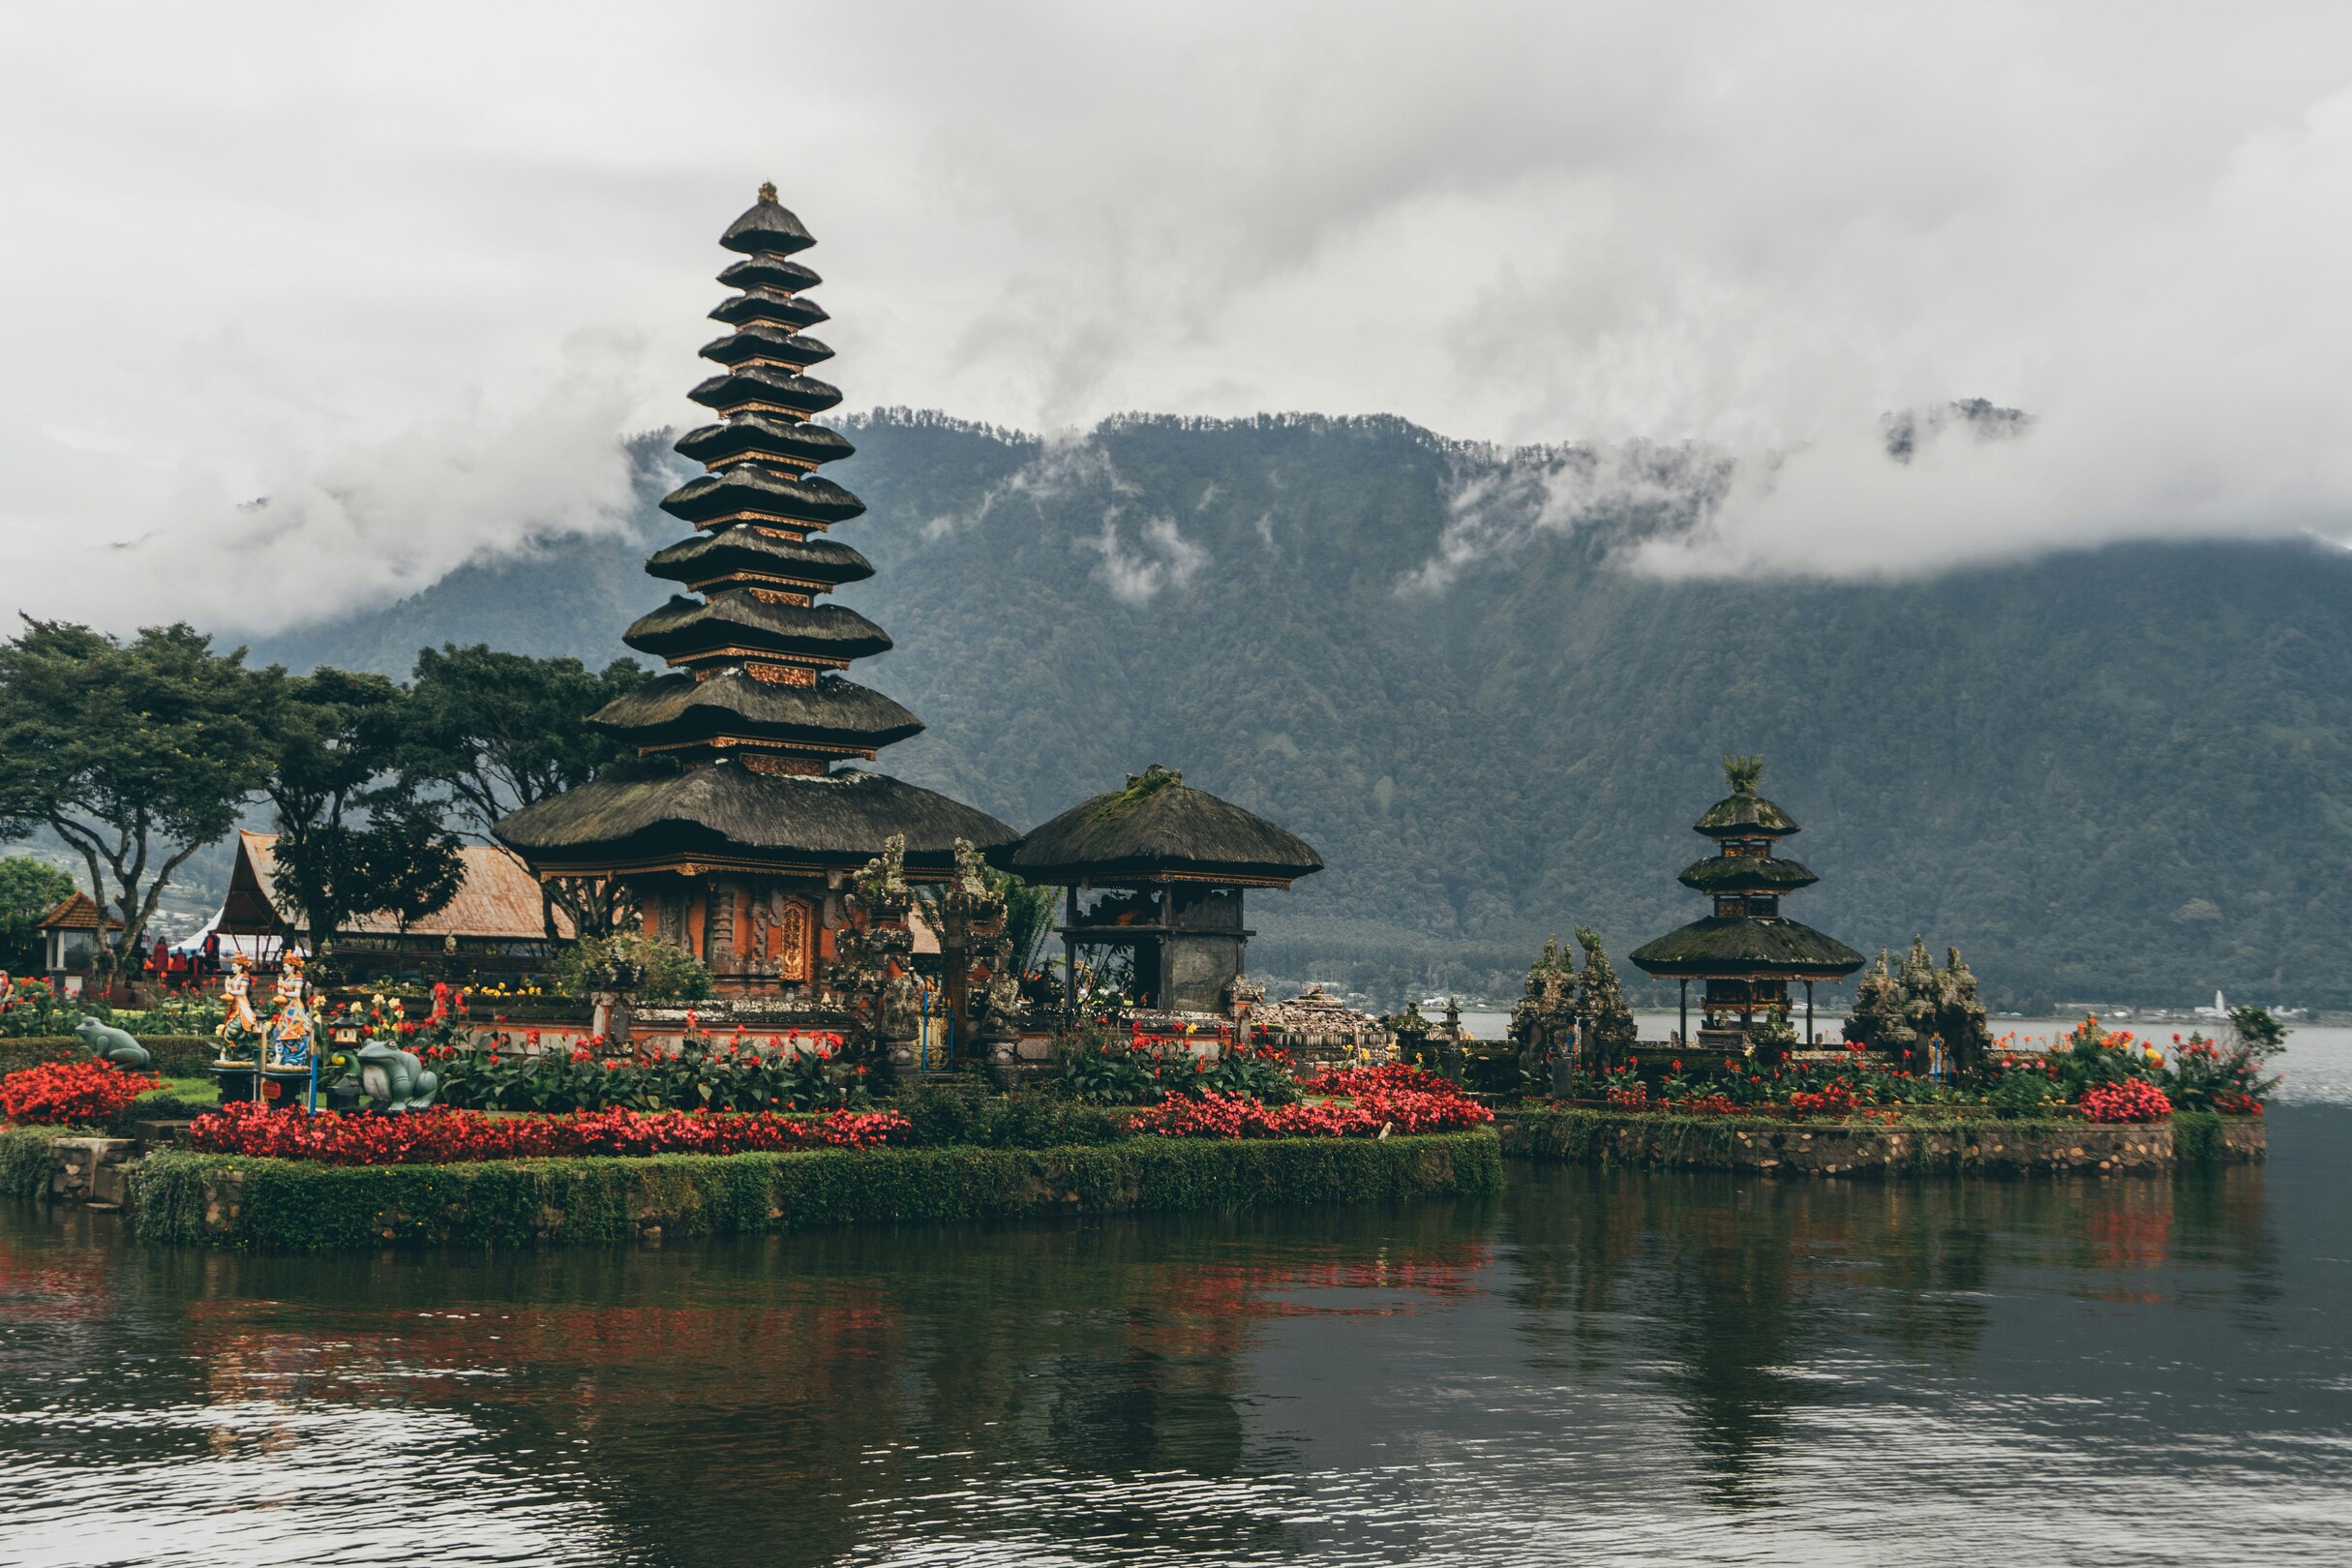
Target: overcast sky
407	270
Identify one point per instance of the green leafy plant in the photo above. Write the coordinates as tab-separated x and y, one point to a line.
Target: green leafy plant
664	973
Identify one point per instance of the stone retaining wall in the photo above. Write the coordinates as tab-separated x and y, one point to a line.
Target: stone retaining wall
1827	1149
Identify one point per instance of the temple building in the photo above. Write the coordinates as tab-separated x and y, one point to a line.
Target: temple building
1154	874
1746	952
494	927
741	828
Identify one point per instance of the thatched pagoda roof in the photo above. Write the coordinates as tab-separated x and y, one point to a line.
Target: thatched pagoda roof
775	493
766	295
1746	873
684	628
1750	947
679	708
768	229
757	435
1158	826
1743	813
743	549
725	814
757	340
758	384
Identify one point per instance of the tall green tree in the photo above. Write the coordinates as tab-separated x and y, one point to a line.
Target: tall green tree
354	837
502	730
135	754
29	888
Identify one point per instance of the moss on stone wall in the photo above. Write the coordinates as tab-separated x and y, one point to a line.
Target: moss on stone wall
26	1160
1833	1149
286	1205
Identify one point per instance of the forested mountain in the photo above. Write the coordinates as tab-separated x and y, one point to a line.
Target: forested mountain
2120	774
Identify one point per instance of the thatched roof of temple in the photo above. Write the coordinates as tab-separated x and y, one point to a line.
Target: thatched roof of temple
1747	943
1159	827
1747	937
1757	873
1743	813
726	815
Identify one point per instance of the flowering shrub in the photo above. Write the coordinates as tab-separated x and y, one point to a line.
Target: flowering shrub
35	1007
1391	1097
1148	1068
735	1073
442	1136
2208	1074
1836	1097
1387	1078
2130	1099
57	1093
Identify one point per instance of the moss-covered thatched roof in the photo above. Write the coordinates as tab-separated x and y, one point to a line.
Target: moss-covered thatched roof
679	708
1746	873
684	628
776	493
726	814
768	229
785	440
1743	811
1159	825
739	548
1731	947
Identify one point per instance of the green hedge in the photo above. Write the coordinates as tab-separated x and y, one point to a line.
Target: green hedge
176	1056
285	1205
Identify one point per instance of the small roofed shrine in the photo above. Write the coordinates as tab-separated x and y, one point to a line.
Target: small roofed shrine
1155	872
1746	952
76	918
739	832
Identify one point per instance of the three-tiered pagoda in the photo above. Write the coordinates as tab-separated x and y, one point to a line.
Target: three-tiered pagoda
738	833
1746	952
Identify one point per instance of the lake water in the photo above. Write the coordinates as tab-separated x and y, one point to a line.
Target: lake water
1593	1368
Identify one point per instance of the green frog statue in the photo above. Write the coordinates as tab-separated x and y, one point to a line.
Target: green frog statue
392	1078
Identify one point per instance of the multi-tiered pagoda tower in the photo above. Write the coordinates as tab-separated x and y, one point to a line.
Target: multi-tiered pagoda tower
1746	952
738	834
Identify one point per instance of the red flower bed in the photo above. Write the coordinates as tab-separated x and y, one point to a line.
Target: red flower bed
2129	1099
442	1136
1834	1099
63	1092
1388	1076
1396	1097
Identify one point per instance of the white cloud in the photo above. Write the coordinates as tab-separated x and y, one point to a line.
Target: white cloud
254	248
1164	559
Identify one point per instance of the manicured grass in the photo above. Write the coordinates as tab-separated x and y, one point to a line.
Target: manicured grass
203	1091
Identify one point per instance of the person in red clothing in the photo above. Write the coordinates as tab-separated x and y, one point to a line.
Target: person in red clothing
212	954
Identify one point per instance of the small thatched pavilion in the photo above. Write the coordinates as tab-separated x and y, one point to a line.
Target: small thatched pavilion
1747	951
1157	869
